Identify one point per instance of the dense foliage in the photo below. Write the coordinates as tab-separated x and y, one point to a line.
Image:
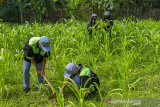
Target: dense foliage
126	60
53	10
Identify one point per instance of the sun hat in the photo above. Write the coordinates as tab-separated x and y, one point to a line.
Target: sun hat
70	68
45	43
106	13
94	15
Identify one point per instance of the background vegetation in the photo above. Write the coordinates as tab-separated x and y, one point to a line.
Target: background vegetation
53	10
126	58
127	61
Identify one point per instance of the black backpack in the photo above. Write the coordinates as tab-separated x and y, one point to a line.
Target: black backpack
94	78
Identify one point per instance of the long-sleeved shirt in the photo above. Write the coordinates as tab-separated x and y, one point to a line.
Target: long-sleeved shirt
91	23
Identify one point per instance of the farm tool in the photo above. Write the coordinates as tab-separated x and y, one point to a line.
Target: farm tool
49	84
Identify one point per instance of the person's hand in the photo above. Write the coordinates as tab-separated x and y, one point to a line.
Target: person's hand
42	73
107	24
97	28
87	93
38	72
59	94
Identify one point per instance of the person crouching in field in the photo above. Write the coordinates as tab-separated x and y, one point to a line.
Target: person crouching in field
106	20
80	74
36	51
92	22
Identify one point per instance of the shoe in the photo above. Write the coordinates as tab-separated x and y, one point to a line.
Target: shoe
26	90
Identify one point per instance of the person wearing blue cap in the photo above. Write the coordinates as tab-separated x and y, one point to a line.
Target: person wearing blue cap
106	16
106	20
36	51
92	22
80	74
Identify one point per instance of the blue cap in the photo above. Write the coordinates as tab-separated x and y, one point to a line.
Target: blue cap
106	13
70	68
45	43
94	15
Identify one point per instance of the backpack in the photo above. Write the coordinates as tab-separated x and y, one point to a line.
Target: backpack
94	78
85	74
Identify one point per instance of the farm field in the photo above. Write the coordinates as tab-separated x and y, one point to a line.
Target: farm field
127	62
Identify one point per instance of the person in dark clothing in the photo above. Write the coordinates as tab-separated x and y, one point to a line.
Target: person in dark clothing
80	74
106	20
106	16
36	51
92	23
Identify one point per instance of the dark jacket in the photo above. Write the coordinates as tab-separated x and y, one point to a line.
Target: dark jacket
91	23
107	19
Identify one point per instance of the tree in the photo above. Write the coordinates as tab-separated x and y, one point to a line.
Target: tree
9	10
22	4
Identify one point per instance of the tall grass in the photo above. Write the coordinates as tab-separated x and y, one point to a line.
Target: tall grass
126	60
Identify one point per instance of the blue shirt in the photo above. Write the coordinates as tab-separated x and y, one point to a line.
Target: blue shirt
76	79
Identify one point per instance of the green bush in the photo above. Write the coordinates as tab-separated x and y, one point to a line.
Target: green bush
10	14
